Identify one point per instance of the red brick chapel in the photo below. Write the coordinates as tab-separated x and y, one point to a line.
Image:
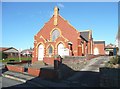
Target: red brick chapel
59	37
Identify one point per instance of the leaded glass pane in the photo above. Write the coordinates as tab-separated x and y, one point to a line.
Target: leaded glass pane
55	34
50	50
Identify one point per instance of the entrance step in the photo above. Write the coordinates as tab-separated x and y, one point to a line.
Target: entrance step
39	63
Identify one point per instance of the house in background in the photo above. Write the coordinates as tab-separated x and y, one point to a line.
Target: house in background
9	52
59	37
110	50
27	52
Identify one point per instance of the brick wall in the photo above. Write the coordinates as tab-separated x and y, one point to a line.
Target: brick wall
34	71
48	60
101	48
48	73
75	63
90	56
45	73
15	68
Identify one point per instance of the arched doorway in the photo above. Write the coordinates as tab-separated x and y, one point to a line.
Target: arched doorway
40	52
61	49
96	51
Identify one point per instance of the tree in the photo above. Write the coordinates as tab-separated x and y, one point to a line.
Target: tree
3	55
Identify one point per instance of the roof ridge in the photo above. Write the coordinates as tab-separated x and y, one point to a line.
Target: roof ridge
85	31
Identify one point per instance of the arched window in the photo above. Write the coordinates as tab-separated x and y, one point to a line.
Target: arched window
55	34
50	50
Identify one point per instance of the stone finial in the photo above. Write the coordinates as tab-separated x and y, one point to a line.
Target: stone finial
56	12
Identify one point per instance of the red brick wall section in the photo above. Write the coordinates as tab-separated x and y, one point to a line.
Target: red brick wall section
47	74
89	47
33	71
79	51
100	48
49	60
15	68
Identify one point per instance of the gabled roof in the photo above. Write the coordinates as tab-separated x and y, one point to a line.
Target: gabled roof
110	46
65	28
10	49
3	48
85	35
27	50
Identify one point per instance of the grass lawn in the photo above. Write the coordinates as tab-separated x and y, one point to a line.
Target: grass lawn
16	59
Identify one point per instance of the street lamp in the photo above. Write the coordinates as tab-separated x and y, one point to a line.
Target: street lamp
27	56
19	55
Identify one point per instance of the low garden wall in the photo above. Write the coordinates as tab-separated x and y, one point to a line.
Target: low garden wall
33	71
45	73
90	56
49	73
48	60
15	68
77	62
76	65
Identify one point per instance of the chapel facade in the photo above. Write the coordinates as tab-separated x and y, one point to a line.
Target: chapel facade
59	37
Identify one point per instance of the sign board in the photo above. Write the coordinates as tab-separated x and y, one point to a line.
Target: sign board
66	52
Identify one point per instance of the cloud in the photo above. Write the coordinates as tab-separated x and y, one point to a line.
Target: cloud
60	5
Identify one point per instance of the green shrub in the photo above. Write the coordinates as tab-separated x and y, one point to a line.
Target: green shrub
17	59
114	60
3	55
109	64
118	59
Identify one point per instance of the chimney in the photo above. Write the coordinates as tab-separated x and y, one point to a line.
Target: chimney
56	12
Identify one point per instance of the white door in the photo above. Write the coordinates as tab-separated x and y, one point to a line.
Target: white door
40	52
61	49
96	51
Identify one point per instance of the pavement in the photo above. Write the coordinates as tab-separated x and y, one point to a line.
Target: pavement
37	81
10	83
